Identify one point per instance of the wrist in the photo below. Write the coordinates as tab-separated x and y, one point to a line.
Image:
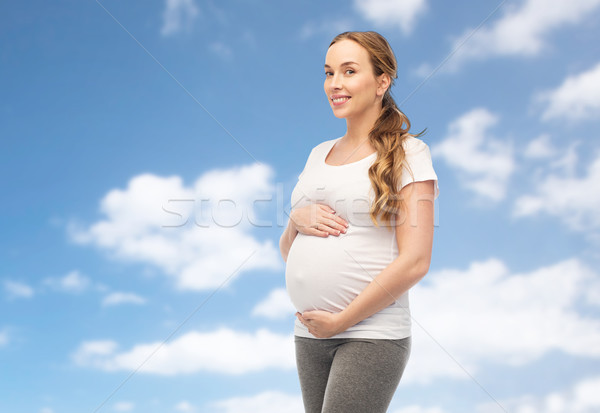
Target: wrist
292	225
344	320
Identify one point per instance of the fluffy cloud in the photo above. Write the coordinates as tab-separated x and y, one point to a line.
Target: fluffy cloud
266	402
117	298
221	49
16	289
94	349
222	351
578	98
460	316
328	28
123	406
276	305
419	409
4	338
277	402
185	406
392	13
178	15
522	29
474	316
200	235
571	198
540	148
583	397
73	282
484	164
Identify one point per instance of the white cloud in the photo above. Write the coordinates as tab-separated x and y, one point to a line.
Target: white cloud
571	198
403	13
117	298
4	338
327	28
73	282
92	350
423	70
419	409
199	235
277	305
265	402
486	314
185	406
578	98
583	397
484	164
178	15
123	406
540	148
221	50
17	289
523	28
567	163
222	351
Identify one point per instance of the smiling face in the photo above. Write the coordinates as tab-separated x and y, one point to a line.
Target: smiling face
350	83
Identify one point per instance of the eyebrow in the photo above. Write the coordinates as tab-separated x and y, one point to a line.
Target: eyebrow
343	64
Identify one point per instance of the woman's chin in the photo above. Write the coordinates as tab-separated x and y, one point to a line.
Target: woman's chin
338	114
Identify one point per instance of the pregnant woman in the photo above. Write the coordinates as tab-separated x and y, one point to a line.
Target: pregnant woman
359	237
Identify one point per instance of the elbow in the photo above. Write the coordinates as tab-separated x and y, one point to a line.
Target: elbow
421	267
283	251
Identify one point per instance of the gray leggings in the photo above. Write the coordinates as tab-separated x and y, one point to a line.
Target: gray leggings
349	375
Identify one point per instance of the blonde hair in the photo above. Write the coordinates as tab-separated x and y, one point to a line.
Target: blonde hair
388	133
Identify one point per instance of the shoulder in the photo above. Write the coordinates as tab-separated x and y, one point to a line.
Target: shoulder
322	147
325	144
316	152
414	146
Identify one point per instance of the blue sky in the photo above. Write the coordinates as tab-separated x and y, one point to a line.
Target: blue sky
121	290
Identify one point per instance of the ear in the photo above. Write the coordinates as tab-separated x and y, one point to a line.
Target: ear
383	82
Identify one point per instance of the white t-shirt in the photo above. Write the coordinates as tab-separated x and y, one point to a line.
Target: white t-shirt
327	273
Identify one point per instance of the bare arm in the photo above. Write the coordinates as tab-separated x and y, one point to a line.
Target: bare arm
288	236
414	233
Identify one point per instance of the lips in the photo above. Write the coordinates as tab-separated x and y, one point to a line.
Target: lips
339	99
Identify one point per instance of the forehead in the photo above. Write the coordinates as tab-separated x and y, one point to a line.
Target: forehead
346	51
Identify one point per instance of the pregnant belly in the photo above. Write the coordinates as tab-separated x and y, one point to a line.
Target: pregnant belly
321	274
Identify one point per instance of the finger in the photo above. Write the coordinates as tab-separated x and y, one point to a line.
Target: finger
307	315
317	231
326	226
326	208
338	220
334	227
341	221
333	222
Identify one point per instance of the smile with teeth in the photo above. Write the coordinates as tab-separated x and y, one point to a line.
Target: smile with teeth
340	100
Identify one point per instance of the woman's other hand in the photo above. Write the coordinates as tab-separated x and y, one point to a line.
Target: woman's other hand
322	324
318	219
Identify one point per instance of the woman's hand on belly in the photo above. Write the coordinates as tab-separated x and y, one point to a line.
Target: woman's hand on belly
318	219
322	324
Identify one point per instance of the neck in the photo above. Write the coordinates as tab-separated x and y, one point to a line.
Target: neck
358	128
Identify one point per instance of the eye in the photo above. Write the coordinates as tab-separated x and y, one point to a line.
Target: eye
328	73
350	70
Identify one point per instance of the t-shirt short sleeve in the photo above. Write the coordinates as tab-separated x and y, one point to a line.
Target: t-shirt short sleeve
418	158
306	165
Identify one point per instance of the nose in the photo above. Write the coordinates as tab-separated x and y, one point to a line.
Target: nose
335	82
